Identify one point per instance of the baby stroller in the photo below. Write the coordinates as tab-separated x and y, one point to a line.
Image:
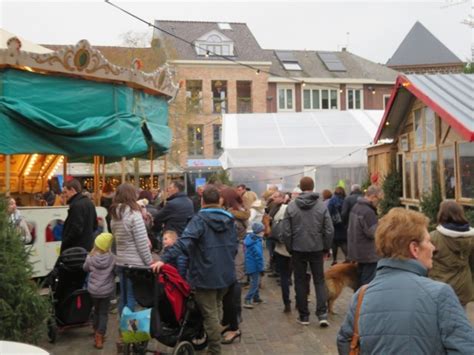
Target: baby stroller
71	303
175	318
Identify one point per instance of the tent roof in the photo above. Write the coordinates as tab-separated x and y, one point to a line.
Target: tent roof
298	139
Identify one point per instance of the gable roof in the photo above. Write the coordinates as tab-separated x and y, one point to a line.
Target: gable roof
246	47
420	47
313	67
449	95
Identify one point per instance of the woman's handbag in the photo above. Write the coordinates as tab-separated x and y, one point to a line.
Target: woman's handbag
355	344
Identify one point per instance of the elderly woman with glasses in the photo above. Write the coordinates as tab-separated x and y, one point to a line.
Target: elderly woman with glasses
403	311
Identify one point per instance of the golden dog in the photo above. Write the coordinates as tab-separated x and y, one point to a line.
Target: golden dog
337	277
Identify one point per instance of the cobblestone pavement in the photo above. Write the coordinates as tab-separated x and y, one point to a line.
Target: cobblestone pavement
265	330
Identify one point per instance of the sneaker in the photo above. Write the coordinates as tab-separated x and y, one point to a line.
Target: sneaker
287	308
323	321
258	300
248	304
303	320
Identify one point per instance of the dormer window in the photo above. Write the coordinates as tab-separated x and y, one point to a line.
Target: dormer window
214	43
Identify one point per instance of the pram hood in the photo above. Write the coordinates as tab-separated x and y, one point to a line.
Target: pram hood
176	289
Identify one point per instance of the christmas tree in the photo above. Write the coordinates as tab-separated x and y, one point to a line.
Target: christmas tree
23	312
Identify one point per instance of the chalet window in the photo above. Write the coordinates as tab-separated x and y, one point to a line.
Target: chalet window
194	96
285	99
244	96
434	167
430	130
219	96
449	177
354	99
418	128
217	135
195	142
416	184
407	178
425	173
425	127
466	169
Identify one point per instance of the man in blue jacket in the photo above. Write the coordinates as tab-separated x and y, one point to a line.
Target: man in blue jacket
210	241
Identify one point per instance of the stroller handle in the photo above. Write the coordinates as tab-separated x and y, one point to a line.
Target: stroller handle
137	267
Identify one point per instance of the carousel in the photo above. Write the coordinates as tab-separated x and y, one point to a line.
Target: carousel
68	106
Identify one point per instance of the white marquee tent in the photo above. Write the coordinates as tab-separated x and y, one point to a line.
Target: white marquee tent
278	148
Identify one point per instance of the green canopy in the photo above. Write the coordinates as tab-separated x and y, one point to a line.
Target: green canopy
79	118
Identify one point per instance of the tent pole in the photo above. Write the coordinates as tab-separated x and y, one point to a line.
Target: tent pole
96	178
122	163
64	169
7	174
151	168
165	187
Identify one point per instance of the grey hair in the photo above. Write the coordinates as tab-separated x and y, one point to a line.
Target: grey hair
355	187
373	190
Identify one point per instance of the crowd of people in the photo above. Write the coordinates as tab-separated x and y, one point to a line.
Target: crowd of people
222	240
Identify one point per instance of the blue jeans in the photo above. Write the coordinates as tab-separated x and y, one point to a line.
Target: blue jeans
253	294
127	298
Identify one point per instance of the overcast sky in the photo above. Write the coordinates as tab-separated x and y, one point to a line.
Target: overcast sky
375	28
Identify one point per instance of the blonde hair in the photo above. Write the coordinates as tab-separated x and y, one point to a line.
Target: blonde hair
397	229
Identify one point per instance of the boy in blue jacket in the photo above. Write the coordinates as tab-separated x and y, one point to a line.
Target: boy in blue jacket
254	263
180	262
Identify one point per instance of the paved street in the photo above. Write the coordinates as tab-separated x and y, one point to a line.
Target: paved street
266	330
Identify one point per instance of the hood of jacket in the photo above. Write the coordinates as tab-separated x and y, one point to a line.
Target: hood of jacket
455	234
251	239
176	195
307	200
216	218
101	261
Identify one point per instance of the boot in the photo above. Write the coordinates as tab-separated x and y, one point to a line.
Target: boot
99	340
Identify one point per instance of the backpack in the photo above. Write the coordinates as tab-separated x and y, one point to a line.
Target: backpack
276	233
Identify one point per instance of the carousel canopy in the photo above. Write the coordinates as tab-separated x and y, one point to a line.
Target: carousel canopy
73	102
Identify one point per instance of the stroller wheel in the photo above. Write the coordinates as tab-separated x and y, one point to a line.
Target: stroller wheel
183	348
52	330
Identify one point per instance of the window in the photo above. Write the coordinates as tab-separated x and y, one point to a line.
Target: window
194	96
418	128
215	43
244	96
386	99
425	177
224	26
354	99
449	183
407	178
219	96
315	99
466	169
291	66
217	135
425	127
416	184
285	99
195	143
434	167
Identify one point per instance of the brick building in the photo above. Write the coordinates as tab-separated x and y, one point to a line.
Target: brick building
210	86
321	80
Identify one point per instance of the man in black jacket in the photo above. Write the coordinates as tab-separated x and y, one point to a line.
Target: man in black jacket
177	211
361	234
81	221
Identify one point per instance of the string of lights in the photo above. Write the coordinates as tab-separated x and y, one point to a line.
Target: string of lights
207	51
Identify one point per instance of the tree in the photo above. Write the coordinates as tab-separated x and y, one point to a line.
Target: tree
430	202
392	189
136	39
469	68
220	177
23	312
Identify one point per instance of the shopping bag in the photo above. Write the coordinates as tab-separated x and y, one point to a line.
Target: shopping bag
135	326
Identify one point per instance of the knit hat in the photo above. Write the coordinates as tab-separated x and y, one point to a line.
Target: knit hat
104	241
257	227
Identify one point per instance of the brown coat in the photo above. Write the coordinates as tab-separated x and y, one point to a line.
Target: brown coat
452	261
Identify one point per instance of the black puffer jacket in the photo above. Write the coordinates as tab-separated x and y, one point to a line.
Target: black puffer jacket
307	224
80	224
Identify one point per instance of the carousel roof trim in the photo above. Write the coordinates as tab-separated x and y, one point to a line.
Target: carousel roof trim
85	62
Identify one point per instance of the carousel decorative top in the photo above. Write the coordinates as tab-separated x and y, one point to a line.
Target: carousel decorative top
86	62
